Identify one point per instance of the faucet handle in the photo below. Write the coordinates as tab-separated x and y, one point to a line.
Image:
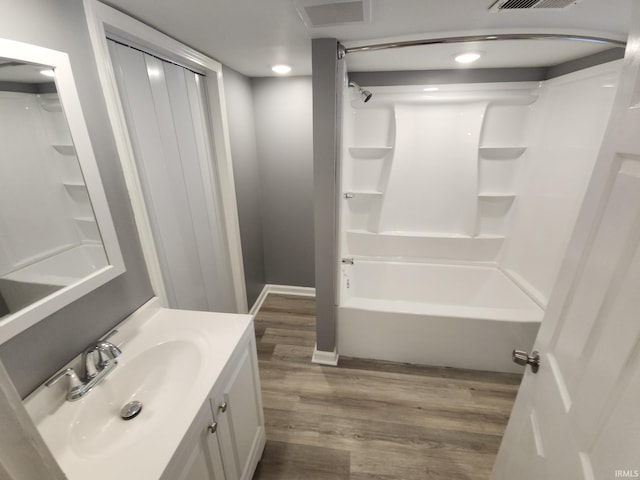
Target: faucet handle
74	381
107	353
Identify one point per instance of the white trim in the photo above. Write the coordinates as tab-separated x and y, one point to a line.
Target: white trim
125	150
257	305
283	290
70	101
102	21
291	290
325	358
533	293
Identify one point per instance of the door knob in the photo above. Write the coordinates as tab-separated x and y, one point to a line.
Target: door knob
223	407
213	428
523	358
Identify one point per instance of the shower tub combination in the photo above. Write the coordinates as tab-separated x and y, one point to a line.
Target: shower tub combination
453	315
429	182
457	204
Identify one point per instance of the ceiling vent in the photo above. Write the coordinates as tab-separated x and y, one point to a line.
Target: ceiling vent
327	13
502	5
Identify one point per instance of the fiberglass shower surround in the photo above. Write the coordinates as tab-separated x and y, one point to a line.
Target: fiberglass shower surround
457	205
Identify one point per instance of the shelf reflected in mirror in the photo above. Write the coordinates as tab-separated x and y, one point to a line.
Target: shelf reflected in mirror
50	238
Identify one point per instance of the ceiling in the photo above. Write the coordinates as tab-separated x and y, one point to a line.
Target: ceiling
252	35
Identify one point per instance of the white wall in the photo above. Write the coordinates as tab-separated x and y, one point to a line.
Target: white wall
567	129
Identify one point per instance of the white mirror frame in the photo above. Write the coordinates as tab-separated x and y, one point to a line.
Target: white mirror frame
13	324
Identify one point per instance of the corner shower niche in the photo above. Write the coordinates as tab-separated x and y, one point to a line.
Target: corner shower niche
433	175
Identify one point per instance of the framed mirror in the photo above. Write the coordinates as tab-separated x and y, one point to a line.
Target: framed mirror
57	239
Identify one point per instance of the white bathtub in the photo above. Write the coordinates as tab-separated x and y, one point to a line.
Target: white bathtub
463	316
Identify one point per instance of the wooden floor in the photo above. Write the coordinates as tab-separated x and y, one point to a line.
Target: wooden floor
369	419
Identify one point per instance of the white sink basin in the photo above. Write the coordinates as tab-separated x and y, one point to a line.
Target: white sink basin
170	361
159	377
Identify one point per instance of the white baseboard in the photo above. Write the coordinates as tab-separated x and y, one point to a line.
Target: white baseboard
281	289
325	358
259	301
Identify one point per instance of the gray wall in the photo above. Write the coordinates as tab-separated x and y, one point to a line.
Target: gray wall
284	134
39	351
246	172
328	78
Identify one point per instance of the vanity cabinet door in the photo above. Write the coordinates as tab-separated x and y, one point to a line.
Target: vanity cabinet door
198	457
238	410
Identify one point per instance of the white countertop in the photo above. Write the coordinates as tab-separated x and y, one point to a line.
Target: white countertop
170	361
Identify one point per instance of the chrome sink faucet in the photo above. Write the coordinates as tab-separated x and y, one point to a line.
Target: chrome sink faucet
98	360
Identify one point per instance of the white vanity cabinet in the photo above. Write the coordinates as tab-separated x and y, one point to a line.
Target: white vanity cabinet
196	375
227	437
198	457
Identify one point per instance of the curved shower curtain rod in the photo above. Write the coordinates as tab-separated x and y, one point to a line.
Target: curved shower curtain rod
342	50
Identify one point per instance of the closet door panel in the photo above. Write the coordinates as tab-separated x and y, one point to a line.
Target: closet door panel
189	132
145	99
224	294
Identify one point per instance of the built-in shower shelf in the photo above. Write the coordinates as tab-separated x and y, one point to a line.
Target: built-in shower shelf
369	152
423	234
501	153
51	104
486	236
65	149
416	245
442	236
358	193
88	228
497	195
454	236
75	186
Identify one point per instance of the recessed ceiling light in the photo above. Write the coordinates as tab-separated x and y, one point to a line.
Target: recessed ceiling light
47	73
467	57
431	89
281	69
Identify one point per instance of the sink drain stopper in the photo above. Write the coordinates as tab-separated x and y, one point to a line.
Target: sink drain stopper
131	410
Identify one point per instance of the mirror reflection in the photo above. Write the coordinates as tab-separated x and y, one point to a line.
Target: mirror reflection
49	237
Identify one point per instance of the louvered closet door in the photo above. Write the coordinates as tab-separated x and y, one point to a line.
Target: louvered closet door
164	109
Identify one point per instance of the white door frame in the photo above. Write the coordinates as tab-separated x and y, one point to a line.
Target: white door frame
102	21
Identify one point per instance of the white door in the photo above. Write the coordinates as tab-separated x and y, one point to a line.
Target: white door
577	418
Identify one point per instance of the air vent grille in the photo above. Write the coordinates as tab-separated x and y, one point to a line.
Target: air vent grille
513	4
324	13
502	5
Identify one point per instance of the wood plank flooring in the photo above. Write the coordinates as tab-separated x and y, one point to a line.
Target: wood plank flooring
369	419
